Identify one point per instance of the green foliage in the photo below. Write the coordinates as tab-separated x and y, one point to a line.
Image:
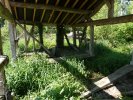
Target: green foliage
50	80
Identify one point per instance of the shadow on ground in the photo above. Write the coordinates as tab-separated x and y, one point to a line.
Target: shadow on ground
105	62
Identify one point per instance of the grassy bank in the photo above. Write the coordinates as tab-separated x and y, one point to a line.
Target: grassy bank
34	78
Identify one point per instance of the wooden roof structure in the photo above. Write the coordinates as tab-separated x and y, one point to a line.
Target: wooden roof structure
62	12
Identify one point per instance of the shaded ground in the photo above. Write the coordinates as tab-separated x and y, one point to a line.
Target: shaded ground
123	85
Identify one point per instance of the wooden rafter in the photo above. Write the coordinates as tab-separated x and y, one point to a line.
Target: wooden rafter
5	13
79	8
15	10
57	2
2	1
80	17
34	14
68	13
7	4
108	3
25	11
114	20
49	7
61	11
44	12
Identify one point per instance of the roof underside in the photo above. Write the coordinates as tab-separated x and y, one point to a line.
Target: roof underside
36	13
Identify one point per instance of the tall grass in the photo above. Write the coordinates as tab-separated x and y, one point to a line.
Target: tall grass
34	78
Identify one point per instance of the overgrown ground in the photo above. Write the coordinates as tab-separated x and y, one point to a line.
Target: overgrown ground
34	78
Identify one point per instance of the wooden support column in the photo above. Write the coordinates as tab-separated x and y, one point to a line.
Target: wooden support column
40	27
74	37
91	44
34	43
110	5
1	49
26	41
131	62
3	62
60	37
12	29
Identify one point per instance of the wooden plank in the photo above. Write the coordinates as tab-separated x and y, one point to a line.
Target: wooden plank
79	8
12	40
103	83
25	11
61	11
34	13
91	44
111	9
44	11
68	13
48	7
57	2
3	61
1	44
74	36
5	13
109	21
94	1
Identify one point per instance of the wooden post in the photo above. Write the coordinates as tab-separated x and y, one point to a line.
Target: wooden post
34	44
12	28
26	41
131	62
40	27
74	37
91	45
60	37
111	9
1	49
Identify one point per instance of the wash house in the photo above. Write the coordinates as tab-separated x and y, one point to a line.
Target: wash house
58	13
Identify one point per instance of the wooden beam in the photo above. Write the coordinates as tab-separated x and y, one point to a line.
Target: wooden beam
49	7
94	11
7	5
5	13
111	9
36	23
61	11
100	5
74	36
60	36
40	27
44	12
114	20
108	3
45	49
25	11
3	3
12	29
68	13
106	81
1	44
15	10
79	8
34	13
57	2
3	61
91	44
81	15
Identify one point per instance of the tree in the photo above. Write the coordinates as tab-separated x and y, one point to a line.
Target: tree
123	7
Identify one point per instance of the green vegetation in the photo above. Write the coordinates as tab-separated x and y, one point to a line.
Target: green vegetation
35	78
